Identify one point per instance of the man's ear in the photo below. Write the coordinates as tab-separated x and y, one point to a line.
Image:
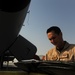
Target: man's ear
60	33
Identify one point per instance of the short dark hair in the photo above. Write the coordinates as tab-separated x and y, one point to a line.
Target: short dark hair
56	29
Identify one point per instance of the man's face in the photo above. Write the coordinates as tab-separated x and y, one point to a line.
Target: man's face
54	38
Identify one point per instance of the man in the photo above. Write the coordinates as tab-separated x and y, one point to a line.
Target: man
63	51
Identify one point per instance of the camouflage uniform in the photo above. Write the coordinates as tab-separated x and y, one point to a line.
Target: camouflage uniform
67	53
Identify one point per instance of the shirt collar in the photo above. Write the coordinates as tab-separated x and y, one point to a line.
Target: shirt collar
65	46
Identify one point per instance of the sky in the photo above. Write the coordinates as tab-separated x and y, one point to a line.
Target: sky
44	14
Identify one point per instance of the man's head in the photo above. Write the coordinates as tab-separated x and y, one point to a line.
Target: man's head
55	35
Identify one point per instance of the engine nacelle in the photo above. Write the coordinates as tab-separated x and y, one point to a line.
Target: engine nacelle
12	16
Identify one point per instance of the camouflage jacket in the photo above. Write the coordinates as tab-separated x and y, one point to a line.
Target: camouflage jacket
67	54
